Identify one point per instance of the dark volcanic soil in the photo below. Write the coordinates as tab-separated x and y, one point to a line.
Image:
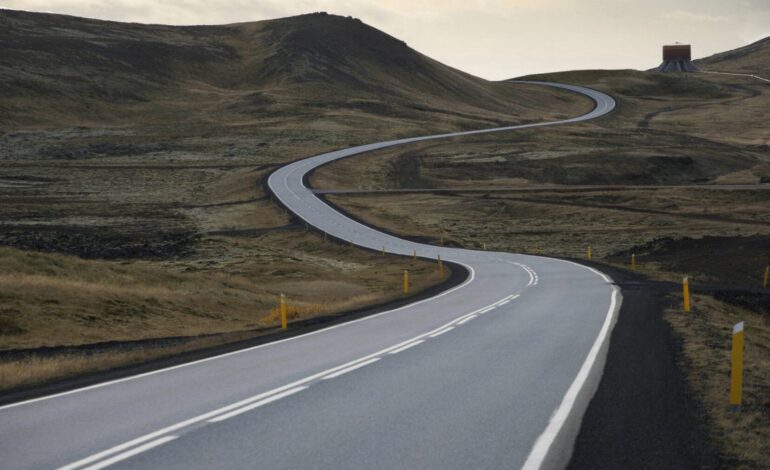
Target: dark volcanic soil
99	242
723	260
643	415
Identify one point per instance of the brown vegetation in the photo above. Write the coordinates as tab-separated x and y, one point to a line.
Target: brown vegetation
668	129
37	369
706	335
753	59
139	152
563	222
326	70
54	300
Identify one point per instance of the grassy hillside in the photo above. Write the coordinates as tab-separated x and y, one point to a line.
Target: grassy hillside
668	129
57	69
133	158
752	59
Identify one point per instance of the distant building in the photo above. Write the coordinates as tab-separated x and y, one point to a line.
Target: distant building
677	58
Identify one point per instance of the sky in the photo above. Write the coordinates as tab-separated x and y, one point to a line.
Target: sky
493	39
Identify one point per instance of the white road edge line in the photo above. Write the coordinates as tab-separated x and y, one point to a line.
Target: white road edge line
351	368
174	427
466	320
132	452
256	405
445	330
404	348
211	414
532	274
543	443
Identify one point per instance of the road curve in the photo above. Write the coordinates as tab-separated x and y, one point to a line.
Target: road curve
494	373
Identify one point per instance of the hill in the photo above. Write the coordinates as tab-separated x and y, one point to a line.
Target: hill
751	59
146	146
57	68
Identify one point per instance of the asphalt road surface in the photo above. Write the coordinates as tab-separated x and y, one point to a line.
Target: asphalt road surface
494	373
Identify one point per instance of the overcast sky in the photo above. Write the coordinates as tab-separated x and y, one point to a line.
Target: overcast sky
494	39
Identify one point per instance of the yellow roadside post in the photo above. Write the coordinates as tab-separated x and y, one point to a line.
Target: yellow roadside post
484	246
590	255
283	312
633	262
441	240
440	266
767	274
351	243
414	255
406	281
686	293
383	251
736	371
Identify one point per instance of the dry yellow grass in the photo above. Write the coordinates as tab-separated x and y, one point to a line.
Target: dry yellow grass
706	336
751	59
51	300
39	369
668	129
564	223
55	300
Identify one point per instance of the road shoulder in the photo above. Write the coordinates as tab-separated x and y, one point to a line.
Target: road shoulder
643	414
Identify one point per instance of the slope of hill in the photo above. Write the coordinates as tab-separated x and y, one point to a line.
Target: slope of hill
56	68
751	59
145	146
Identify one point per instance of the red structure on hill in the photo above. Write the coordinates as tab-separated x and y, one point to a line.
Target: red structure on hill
677	58
677	52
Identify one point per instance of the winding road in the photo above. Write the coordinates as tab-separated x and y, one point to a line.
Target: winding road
493	373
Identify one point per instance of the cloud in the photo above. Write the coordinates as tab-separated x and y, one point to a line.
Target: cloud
224	11
691	17
492	38
151	11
